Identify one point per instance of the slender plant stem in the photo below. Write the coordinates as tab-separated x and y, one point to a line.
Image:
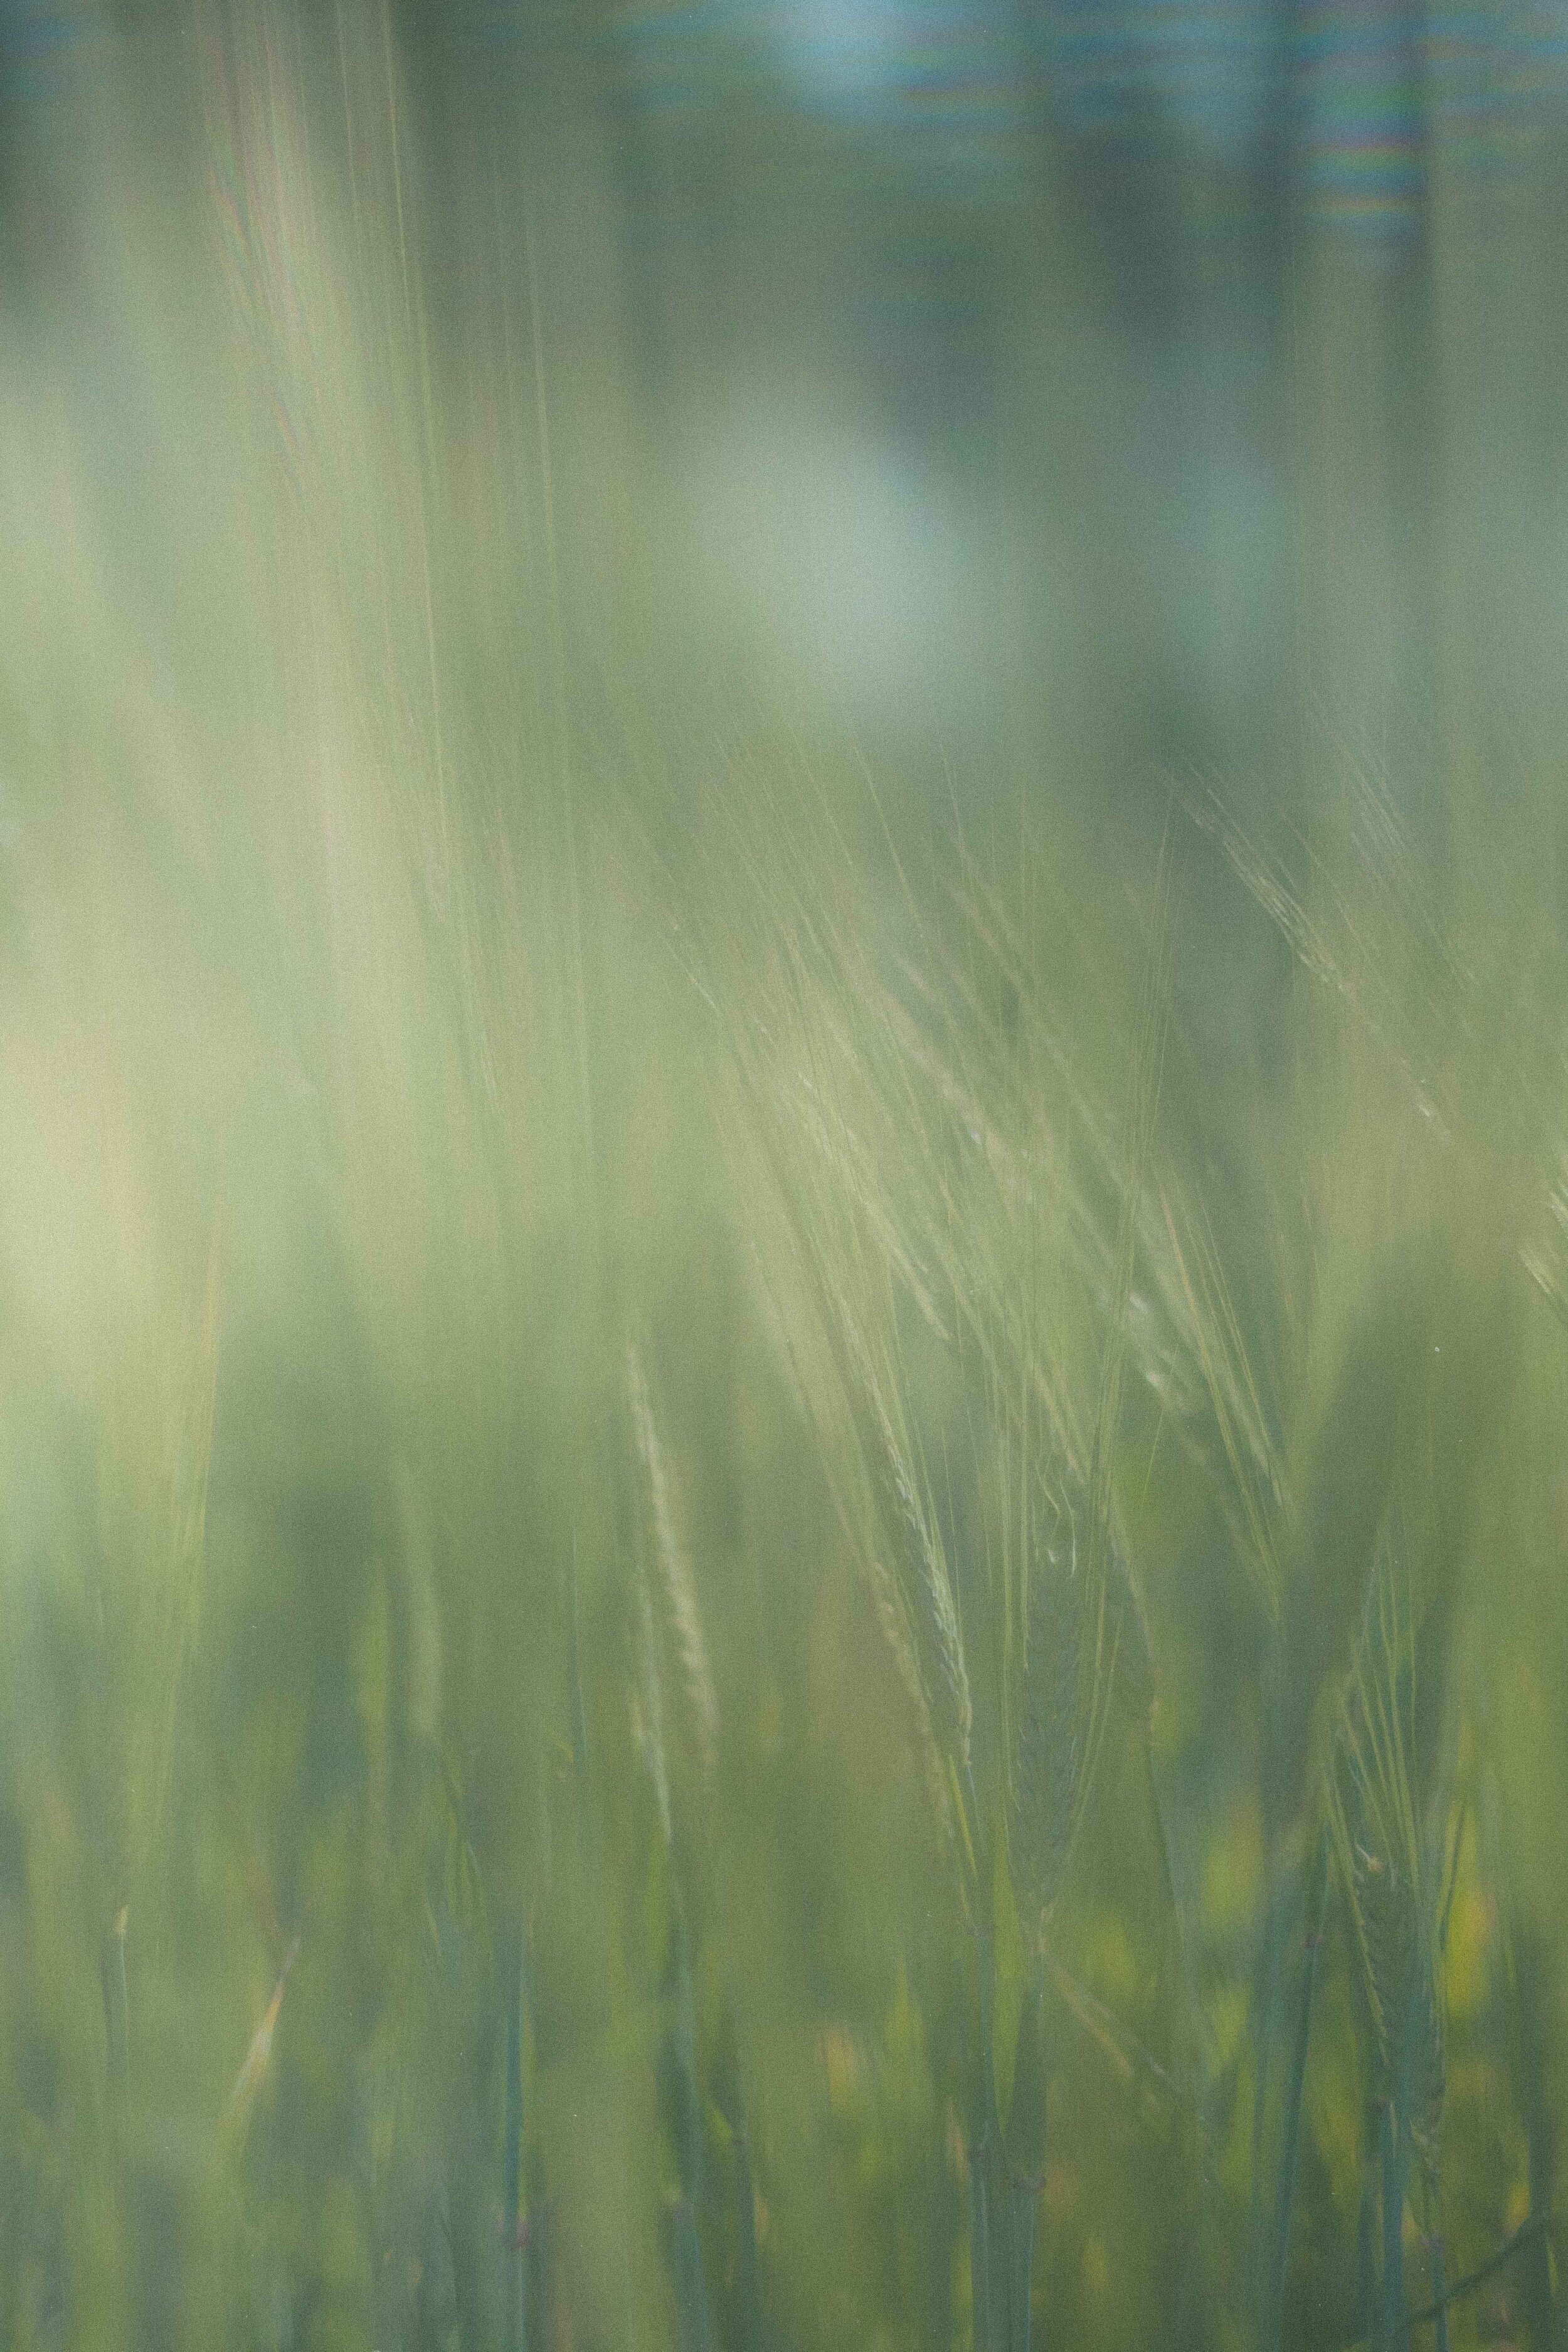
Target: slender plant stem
980	2249
123	1988
1439	2293
989	2308
751	2293
1021	2251
1525	2236
694	2323
1393	2318
694	2319
1366	2248
511	2162
1295	2089
999	2215
1266	1999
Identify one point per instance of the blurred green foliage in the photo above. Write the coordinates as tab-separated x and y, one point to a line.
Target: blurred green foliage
775	1571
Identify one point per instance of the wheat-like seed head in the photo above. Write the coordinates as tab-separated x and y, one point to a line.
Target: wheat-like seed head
1048	1743
919	1567
902	1555
647	1707
674	1622
1387	1858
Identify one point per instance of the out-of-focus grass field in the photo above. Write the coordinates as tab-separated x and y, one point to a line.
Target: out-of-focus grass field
781	1539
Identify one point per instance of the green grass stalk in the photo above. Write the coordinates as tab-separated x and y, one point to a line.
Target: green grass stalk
694	2316
1021	2201
117	2009
1393	2321
516	2336
750	2283
1295	2091
1439	2291
985	2339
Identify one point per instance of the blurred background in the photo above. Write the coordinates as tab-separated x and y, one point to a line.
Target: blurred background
769	768
1080	383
